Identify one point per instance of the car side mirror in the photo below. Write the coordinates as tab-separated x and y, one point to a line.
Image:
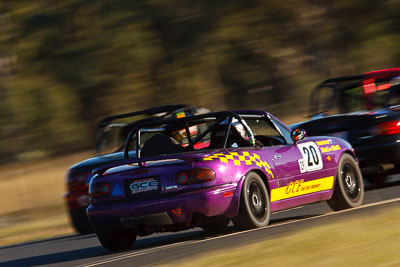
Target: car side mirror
298	135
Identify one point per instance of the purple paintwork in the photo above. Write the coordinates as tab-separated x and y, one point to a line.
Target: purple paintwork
278	166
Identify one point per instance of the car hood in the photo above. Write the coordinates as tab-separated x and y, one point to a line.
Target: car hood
353	127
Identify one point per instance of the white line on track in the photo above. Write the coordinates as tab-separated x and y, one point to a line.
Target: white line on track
147	251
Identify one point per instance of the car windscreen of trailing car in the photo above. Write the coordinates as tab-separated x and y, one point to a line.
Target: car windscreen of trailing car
355	96
111	138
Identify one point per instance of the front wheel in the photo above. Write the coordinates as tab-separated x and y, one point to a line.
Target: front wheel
254	203
116	239
349	187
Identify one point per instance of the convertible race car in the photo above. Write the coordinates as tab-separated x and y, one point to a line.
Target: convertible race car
111	134
209	169
364	110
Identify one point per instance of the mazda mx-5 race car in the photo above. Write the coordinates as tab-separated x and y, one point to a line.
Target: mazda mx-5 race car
111	134
209	169
364	110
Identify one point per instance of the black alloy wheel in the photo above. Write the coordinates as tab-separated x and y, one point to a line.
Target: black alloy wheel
349	186
254	210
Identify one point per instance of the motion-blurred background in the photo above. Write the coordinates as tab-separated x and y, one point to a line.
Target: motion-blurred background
66	64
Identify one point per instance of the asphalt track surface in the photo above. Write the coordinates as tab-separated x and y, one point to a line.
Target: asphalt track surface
85	250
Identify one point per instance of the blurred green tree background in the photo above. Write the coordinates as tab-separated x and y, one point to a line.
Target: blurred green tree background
65	64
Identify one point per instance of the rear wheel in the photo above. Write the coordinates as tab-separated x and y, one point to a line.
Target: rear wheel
254	203
349	187
80	221
116	239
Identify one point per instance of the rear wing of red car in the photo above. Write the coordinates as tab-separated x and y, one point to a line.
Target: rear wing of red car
377	74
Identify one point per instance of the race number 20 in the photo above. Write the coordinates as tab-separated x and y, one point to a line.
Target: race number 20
311	156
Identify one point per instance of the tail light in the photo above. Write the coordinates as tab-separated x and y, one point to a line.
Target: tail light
99	189
77	181
389	128
195	176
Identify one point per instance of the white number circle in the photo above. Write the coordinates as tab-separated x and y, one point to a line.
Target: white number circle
311	156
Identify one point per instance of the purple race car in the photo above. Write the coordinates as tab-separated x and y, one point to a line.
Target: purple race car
209	169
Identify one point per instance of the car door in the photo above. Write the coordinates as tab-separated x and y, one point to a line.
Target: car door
300	167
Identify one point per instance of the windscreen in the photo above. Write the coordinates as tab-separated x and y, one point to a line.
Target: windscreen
356	96
112	139
265	132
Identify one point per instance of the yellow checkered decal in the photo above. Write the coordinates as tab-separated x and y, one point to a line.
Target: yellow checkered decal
244	158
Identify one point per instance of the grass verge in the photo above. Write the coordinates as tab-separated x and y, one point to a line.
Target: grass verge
31	199
34	224
364	241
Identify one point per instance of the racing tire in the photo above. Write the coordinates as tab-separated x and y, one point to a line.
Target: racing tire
80	221
349	187
116	239
216	223
254	210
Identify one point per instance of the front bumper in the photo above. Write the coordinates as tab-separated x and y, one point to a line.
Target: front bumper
181	208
